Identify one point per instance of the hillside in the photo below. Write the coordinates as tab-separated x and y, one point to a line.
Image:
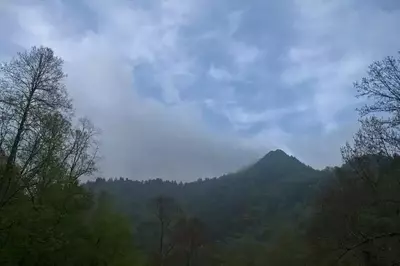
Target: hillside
275	188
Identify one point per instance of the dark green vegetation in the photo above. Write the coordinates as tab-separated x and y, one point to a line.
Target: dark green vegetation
46	217
277	211
244	214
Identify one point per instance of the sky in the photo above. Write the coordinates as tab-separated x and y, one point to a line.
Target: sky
187	89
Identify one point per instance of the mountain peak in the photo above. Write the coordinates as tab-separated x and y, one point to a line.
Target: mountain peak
278	159
274	157
276	152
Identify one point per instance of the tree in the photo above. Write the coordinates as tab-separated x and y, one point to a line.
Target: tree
357	215
31	85
46	216
69	227
166	211
31	88
37	135
111	241
381	89
188	236
45	234
355	222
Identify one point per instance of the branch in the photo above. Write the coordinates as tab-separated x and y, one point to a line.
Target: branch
364	242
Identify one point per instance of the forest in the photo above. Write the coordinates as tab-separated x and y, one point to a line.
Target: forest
277	211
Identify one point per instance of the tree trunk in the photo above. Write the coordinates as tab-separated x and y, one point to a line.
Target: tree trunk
13	153
161	251
4	188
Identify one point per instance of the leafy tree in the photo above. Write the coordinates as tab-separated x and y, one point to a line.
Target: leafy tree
356	218
46	216
37	135
31	85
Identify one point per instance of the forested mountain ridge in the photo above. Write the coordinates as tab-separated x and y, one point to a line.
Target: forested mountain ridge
276	185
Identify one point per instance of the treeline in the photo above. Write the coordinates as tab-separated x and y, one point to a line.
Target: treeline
275	212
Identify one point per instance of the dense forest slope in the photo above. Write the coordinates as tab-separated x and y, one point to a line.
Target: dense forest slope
275	189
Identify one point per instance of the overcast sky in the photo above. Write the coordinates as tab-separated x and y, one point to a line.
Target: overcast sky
183	89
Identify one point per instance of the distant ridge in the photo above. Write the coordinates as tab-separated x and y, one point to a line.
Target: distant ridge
272	187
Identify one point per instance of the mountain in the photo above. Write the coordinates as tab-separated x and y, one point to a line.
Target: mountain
278	165
275	187
279	159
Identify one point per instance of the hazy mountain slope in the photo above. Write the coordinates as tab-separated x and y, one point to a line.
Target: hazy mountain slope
275	187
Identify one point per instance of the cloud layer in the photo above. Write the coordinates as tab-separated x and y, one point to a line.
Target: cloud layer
196	88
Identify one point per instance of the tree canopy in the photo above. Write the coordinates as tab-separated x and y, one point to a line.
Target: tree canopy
46	216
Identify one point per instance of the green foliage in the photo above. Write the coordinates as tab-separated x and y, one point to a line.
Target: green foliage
46	217
111	241
65	229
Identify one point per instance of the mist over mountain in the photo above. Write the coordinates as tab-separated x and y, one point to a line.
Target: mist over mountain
275	185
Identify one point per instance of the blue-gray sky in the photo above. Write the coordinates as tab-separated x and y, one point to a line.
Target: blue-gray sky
183	89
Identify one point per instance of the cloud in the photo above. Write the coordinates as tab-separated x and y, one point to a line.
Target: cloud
187	89
234	20
244	119
141	137
337	41
243	53
219	74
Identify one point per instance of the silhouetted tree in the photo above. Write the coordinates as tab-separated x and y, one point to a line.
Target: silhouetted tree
189	235
357	214
37	135
46	217
166	211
